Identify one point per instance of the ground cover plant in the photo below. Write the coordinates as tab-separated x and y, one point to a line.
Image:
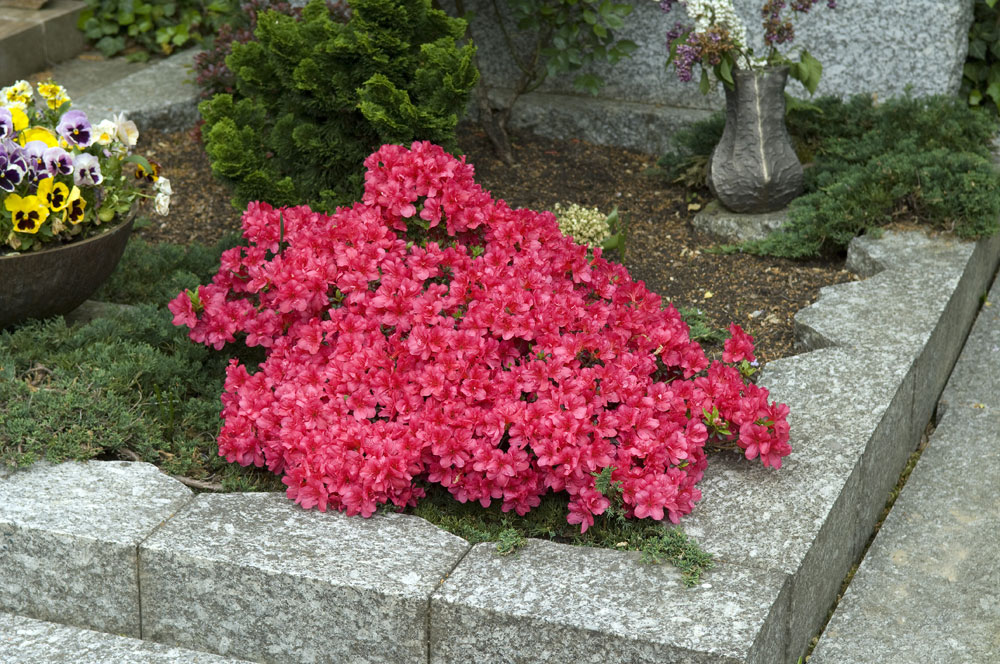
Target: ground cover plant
925	161
432	334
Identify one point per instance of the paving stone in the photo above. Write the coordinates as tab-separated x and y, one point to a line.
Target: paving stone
256	576
19	52
926	590
28	641
555	603
160	96
69	535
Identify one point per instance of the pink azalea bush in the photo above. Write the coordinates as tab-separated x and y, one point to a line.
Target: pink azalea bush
502	362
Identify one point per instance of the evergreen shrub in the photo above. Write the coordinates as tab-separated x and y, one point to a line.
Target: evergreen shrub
316	96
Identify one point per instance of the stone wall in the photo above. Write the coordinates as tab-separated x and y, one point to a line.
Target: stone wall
880	47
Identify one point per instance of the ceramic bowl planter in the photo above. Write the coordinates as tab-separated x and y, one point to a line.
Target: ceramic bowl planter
55	281
754	167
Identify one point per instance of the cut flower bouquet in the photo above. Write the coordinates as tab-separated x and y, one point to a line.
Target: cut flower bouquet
718	41
62	177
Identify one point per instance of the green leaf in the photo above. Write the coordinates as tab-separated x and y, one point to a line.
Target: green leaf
975	97
704	85
725	71
813	71
977	49
588	83
600	31
589	17
993	92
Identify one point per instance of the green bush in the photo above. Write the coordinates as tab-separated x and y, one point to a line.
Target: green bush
981	73
315	97
924	160
155	26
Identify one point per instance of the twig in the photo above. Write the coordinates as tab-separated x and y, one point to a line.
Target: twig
198	484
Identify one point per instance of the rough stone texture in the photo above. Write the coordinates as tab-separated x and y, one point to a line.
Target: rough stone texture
558	603
19	52
735	226
161	96
28	641
69	536
927	589
256	576
92	309
59	38
866	47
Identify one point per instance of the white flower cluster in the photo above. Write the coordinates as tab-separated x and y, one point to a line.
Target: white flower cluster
585	225
708	13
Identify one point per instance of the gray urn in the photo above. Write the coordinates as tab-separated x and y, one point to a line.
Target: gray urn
754	167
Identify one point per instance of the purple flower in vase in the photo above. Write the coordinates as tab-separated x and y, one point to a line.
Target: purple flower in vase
86	170
75	128
57	161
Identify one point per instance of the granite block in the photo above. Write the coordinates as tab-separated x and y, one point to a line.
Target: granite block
28	641
19	53
161	96
255	576
738	226
556	603
69	536
926	591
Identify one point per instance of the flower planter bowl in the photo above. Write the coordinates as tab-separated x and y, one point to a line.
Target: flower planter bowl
55	281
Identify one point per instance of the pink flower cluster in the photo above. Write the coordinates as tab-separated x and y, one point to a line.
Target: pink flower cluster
502	363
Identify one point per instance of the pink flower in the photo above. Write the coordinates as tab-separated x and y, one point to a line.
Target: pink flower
738	347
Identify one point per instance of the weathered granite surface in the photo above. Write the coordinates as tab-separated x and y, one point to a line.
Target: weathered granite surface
255	576
28	641
926	591
736	226
160	96
557	603
865	46
69	535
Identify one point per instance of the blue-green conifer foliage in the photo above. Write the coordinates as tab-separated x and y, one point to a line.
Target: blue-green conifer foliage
315	97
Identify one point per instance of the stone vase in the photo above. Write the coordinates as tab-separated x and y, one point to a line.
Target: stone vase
55	281
754	167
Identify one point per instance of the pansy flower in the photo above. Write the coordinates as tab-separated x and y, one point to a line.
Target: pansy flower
57	161
38	134
6	123
20	118
149	176
34	152
75	206
29	213
54	194
53	94
86	170
104	132
11	172
75	128
128	133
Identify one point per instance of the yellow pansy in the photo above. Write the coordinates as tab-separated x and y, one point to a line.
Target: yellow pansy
28	213
73	213
19	93
54	94
19	117
55	194
38	134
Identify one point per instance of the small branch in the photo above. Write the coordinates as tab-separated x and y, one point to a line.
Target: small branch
198	484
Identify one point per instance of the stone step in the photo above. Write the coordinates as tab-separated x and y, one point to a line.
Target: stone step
32	40
928	589
255	577
29	641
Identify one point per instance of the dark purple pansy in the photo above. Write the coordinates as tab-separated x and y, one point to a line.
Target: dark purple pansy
6	124
75	128
11	173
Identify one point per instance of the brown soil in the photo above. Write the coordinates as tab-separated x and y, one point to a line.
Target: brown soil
761	294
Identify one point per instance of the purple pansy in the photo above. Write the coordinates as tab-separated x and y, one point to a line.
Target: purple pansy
57	161
11	172
86	170
6	123
75	128
34	151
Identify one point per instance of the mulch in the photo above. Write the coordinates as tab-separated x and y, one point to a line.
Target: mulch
761	294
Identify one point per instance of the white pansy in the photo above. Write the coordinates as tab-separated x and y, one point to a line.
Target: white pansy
128	133
162	186
162	204
105	132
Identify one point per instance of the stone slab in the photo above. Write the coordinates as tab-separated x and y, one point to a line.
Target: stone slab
865	46
728	226
69	536
19	52
927	589
28	641
255	576
557	603
161	96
